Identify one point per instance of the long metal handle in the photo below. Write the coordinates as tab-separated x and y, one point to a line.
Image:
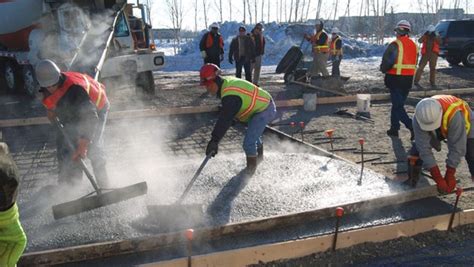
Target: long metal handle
72	148
194	179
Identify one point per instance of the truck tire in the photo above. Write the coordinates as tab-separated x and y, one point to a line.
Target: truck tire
145	84
289	62
30	85
12	78
468	57
453	61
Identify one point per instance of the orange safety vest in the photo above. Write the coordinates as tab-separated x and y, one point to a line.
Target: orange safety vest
210	41
319	48
435	47
94	89
332	47
451	105
405	64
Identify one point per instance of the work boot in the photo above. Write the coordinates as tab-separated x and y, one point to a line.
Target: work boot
259	154
392	132
251	165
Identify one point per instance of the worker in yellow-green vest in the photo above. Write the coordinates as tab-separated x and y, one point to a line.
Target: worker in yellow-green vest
12	236
242	101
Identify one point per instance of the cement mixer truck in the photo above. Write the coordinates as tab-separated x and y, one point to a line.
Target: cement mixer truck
108	39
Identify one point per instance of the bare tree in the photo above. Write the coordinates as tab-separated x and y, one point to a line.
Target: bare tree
245	11
268	10
263	8
318	9
175	11
195	15
307	10
335	12
218	4
249	9
205	6
230	10
286	11
256	10
291	10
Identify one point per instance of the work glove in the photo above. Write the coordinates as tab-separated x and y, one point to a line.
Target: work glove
81	150
440	182
212	148
222	57
203	54
450	178
231	61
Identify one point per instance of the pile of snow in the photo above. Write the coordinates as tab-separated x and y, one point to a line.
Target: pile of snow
279	38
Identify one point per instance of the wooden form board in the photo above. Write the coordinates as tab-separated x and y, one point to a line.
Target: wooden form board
130	114
308	246
113	248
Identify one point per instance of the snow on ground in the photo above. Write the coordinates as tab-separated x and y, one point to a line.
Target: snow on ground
279	38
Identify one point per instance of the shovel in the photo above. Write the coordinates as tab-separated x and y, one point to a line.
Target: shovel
179	212
100	198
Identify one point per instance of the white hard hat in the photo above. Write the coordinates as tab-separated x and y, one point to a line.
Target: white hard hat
319	22
335	30
430	28
428	114
214	25
47	73
403	26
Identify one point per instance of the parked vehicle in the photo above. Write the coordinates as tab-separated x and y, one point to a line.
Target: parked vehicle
457	41
102	38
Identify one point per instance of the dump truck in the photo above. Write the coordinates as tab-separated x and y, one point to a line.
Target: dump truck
107	39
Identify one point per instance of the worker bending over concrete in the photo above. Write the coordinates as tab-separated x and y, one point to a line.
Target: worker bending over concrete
243	101
438	118
12	236
319	42
80	103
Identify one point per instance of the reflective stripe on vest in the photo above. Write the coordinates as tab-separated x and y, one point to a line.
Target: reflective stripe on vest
254	99
94	89
405	63
332	47
435	48
320	48
451	105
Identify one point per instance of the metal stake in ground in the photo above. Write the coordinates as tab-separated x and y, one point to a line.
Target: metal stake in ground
292	126
451	219
339	214
361	142
329	135
302	128
189	234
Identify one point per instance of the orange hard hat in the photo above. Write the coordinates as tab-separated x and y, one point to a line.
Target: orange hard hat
208	73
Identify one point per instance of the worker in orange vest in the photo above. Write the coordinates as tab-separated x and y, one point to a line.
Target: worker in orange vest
81	105
399	65
438	118
336	51
320	44
429	53
212	46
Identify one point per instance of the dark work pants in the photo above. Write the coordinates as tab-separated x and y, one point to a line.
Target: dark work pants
335	68
213	59
238	69
398	113
70	171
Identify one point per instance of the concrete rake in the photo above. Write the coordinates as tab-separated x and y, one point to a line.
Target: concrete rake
100	197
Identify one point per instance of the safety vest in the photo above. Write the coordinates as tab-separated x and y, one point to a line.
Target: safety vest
451	105
324	48
210	41
332	47
405	64
435	48
254	99
94	89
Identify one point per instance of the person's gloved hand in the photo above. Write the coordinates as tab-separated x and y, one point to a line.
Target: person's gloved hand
222	57
203	54
231	61
450	178
440	182
212	148
81	150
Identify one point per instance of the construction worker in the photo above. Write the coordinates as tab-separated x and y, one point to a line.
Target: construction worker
399	65
242	101
438	118
335	49
259	40
242	49
81	105
12	237
429	53
319	42
212	46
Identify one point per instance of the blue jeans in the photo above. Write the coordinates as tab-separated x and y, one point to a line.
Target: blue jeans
398	113
256	126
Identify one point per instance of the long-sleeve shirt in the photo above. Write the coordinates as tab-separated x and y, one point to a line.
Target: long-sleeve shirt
456	140
394	81
230	107
215	50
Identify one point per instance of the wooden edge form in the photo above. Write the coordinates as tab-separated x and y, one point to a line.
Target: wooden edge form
146	113
113	248
308	246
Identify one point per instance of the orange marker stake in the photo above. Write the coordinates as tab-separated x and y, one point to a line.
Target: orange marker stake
189	234
361	142
302	128
329	133
459	191
339	214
